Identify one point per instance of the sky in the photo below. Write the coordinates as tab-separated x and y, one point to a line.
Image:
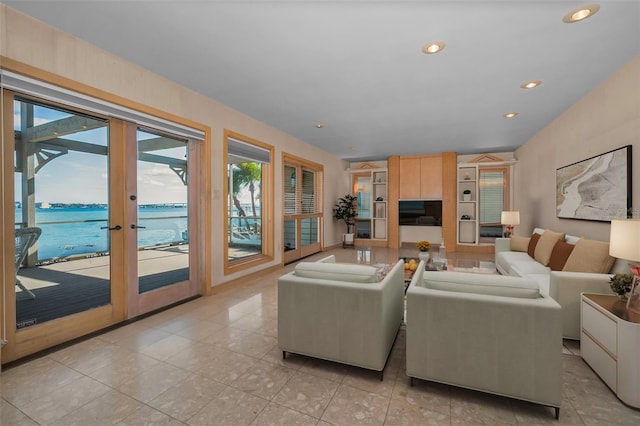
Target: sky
79	177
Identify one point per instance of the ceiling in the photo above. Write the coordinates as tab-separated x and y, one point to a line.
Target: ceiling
357	66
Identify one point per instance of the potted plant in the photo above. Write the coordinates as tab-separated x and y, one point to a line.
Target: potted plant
345	210
621	284
424	247
466	195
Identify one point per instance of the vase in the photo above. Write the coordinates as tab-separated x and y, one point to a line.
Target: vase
466	197
424	255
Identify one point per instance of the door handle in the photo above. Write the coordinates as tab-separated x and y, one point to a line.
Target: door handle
115	228
134	226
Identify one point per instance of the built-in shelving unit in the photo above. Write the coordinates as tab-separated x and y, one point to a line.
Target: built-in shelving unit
370	187
467	194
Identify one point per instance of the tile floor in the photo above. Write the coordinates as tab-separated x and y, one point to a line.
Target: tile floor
215	361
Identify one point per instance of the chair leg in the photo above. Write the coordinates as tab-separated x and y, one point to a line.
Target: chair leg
284	354
557	413
382	375
26	290
411	381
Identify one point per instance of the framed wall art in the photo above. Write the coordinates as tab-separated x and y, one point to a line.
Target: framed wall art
598	188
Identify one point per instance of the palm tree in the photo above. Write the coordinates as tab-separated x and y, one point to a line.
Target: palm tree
244	176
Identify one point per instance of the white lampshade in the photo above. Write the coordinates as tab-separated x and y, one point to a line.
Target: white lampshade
624	241
510	218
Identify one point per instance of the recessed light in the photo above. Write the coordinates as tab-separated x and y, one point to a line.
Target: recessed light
433	47
531	84
318	125
510	114
580	13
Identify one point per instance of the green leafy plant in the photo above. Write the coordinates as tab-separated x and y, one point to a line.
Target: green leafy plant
345	210
621	283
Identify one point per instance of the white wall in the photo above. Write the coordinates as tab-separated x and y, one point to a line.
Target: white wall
605	119
34	43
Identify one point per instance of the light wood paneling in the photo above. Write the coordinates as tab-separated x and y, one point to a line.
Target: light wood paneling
393	185
431	177
449	203
410	182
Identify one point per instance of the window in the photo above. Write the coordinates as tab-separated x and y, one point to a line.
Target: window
248	210
493	198
302	181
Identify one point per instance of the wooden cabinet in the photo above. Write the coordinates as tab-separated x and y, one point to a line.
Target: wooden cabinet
421	177
610	343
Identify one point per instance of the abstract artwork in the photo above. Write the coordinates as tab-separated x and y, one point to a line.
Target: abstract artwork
598	188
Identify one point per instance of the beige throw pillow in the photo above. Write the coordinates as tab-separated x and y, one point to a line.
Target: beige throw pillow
590	256
519	243
545	245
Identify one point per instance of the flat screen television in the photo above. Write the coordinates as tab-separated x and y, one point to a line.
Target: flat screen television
420	212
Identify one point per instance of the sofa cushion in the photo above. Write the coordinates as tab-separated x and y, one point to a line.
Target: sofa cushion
495	285
505	259
533	242
545	245
526	267
337	271
559	255
590	256
519	243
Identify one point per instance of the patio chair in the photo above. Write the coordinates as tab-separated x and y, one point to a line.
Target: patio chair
25	239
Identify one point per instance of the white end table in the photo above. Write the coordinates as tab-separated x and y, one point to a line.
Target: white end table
610	343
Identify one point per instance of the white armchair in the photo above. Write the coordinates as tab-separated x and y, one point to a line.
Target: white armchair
339	312
490	333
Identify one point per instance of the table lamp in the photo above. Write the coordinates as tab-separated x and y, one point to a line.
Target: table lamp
510	218
624	243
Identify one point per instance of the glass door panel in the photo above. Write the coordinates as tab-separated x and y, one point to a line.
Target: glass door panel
301	211
61	197
162	211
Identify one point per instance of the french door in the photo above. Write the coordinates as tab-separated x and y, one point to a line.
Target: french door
101	211
158	219
302	219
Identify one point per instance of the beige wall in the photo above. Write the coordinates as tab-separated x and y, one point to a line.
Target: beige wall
32	42
605	119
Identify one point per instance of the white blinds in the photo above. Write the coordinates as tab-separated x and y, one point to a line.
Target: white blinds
491	196
30	86
299	192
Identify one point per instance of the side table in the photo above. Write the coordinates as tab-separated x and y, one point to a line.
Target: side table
610	344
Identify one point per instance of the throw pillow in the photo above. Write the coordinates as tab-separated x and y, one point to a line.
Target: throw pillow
337	272
559	255
590	256
519	243
545	245
533	242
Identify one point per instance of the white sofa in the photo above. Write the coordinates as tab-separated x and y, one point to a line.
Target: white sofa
340	312
564	287
491	333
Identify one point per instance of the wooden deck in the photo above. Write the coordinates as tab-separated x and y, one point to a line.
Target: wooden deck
74	286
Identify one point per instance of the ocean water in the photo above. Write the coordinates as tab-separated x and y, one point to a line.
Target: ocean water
77	230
